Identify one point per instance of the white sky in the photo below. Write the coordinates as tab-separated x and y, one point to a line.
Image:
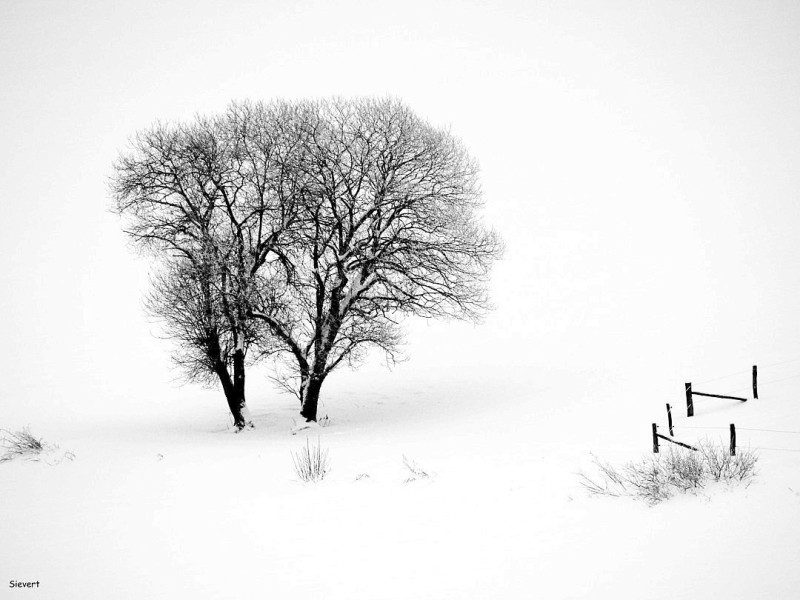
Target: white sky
640	160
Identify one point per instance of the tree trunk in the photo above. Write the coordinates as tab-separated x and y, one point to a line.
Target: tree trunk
311	398
234	405
238	389
234	392
309	393
304	379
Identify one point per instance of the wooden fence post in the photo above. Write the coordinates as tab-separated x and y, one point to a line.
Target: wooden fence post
655	439
733	439
689	404
669	420
755	382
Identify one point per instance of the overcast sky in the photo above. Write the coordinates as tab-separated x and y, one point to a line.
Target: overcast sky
639	159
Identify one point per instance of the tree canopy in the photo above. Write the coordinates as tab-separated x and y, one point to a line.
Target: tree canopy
303	230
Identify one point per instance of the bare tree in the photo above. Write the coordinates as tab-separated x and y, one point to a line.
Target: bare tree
211	201
306	230
389	227
188	299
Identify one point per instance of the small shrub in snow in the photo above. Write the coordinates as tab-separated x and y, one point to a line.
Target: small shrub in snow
722	466
416	472
20	444
311	462
657	477
685	469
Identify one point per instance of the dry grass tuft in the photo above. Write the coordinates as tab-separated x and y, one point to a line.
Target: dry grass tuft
415	471
311	462
659	476
20	444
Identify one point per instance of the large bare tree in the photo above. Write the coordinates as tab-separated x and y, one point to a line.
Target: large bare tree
389	227
305	229
210	201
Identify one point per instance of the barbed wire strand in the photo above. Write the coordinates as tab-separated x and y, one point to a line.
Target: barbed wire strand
760	384
768	430
743	371
721	377
778	380
739	429
785	362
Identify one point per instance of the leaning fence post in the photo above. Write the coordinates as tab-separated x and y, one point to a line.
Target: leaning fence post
755	382
689	404
733	439
669	420
655	439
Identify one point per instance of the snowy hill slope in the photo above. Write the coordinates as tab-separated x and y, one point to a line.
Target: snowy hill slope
188	509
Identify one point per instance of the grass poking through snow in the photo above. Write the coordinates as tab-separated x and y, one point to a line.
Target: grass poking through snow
659	476
311	462
416	472
20	444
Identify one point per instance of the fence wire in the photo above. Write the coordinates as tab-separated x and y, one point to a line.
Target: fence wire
779	380
775	449
721	378
785	362
768	430
761	384
748	371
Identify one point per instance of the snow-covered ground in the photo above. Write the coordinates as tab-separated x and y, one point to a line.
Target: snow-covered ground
181	507
638	159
